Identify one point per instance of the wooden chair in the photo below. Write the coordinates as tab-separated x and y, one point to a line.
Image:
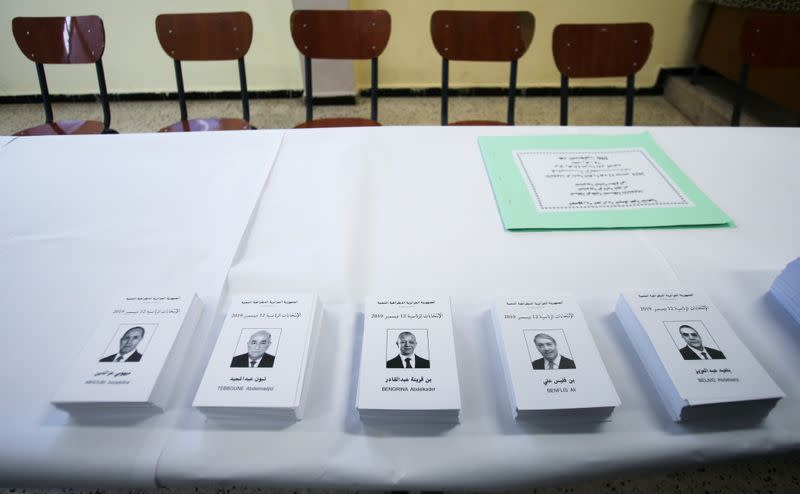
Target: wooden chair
64	40
207	37
601	50
768	41
485	37
341	34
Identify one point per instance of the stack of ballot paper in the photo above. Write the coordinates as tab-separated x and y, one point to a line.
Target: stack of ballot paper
259	368
130	363
698	365
408	365
786	289
552	368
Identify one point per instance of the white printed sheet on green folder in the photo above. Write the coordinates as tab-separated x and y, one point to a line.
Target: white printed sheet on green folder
592	181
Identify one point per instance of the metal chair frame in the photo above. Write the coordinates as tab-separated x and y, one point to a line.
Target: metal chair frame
512	91
768	41
340	35
373	92
601	50
482	36
204	37
629	88
17	25
101	82
242	87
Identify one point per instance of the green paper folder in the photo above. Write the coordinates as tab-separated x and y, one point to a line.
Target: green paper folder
592	181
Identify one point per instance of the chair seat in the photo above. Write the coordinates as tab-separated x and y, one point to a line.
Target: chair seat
203	124
64	127
478	122
337	122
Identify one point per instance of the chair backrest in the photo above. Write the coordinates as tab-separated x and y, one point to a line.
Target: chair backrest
207	36
601	50
771	40
768	41
341	34
481	36
62	40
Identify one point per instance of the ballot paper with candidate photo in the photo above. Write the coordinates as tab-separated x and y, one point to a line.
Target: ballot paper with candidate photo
259	365
131	359
698	364
408	363
550	360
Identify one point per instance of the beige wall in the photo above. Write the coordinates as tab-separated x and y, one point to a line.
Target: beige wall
410	59
135	62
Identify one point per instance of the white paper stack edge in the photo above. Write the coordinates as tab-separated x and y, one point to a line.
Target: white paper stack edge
580	391
158	328
786	289
280	331
415	329
732	384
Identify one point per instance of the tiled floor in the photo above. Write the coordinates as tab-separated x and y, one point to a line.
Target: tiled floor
770	474
150	116
710	103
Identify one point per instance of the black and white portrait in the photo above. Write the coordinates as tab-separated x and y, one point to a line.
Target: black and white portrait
548	349
129	343
693	340
256	348
407	349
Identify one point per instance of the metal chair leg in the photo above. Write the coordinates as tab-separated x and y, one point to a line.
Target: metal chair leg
740	92
445	84
564	98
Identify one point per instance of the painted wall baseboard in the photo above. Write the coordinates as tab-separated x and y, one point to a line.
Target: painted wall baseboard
656	90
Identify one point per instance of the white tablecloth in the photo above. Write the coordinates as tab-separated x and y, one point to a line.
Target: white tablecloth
351	212
4	140
82	218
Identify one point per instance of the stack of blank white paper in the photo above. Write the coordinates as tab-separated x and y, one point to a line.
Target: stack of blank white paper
552	368
130	363
698	365
408	365
786	289
259	368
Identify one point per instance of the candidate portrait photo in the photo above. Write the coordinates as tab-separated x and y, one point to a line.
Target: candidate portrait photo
128	343
693	340
407	349
256	348
548	349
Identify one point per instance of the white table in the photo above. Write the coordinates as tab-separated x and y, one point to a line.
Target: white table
80	219
409	210
5	140
350	212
